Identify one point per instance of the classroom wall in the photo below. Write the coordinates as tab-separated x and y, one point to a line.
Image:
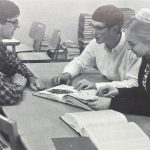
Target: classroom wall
62	14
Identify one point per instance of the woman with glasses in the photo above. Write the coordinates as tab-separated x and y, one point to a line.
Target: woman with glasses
11	92
132	100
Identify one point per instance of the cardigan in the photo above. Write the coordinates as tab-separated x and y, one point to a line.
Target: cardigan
135	100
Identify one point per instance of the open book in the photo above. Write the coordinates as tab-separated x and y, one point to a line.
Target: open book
67	94
108	130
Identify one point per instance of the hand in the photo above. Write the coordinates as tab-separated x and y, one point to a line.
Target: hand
85	85
100	103
107	91
34	84
64	78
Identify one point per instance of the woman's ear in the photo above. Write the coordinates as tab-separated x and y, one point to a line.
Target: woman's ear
129	21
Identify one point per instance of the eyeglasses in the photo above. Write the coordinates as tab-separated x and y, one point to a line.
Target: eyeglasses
14	22
97	27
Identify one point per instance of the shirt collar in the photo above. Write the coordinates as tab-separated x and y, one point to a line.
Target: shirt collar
121	42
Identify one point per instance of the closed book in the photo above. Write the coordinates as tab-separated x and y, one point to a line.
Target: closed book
73	143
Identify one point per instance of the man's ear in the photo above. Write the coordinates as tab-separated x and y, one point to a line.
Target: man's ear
115	29
0	25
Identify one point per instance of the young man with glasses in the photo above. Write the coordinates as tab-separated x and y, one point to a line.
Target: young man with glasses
11	92
107	52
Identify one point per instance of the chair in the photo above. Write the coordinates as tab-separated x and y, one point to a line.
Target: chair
55	47
8	128
11	43
37	32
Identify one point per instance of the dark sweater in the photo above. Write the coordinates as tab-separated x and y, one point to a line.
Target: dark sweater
135	100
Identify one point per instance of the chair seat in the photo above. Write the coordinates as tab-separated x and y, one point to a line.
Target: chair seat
33	57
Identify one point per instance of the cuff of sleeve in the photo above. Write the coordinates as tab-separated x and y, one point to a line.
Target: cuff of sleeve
19	88
114	103
69	73
98	85
121	105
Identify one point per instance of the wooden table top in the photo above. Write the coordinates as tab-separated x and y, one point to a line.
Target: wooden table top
39	120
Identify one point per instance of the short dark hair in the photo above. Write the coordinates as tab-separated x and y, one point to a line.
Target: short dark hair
109	14
8	10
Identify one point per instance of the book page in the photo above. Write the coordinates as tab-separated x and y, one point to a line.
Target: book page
122	136
75	102
80	120
58	92
84	95
62	91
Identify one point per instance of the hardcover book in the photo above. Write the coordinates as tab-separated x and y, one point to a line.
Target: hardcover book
108	130
73	143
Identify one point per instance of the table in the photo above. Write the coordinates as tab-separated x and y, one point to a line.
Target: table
38	119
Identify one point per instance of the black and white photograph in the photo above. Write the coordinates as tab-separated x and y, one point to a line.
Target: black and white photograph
74	75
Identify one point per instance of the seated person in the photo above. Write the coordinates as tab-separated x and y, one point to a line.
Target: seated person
10	93
107	52
134	100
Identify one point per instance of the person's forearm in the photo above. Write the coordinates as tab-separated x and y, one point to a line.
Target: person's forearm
131	106
10	93
81	63
119	84
74	68
128	92
23	70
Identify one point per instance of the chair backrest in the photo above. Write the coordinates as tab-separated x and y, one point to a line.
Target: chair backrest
37	32
8	128
55	39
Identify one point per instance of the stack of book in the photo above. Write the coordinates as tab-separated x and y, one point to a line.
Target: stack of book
85	33
73	52
128	13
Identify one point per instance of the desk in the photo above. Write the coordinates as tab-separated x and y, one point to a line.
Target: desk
38	119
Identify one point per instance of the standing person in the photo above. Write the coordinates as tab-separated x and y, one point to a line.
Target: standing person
132	100
107	52
10	93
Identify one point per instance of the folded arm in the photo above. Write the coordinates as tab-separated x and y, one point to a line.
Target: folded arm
10	93
10	66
